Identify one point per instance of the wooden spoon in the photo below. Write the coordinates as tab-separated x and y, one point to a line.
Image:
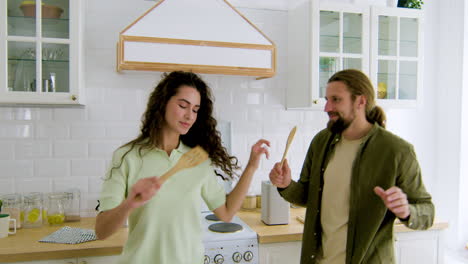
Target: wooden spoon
189	159
288	143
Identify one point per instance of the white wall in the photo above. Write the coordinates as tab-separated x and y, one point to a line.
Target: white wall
46	149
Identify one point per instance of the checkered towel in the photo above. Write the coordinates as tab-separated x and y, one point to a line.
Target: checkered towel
70	235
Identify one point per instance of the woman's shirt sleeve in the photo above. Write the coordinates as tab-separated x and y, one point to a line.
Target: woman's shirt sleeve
114	186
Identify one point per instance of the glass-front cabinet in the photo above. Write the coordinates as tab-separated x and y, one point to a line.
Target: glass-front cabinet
397	53
385	43
41	52
343	42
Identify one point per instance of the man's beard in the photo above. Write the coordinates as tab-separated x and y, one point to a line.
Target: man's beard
339	125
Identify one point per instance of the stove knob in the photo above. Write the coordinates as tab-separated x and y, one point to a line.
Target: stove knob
218	259
248	255
237	257
206	260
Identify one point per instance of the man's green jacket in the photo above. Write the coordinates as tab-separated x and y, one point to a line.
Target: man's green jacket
384	160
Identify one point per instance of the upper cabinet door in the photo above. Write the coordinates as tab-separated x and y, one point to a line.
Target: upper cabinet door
40	52
397	56
343	42
323	39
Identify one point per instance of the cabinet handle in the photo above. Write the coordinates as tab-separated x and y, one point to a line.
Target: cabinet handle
73	97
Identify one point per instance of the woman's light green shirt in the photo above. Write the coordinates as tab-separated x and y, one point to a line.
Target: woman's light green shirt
167	229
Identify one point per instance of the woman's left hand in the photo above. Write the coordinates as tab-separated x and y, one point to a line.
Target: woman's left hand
256	152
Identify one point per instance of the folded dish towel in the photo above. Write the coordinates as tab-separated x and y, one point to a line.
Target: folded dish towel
70	235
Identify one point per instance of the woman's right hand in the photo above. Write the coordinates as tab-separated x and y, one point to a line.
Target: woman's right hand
281	176
142	191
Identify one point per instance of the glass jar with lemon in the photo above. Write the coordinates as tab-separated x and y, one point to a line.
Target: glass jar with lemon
32	210
55	208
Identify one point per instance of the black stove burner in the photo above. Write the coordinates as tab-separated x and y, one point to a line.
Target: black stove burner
225	227
212	217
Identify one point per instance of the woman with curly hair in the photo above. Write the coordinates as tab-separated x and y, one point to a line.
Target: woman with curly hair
164	224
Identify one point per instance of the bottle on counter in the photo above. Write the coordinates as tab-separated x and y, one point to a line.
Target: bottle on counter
33	203
13	205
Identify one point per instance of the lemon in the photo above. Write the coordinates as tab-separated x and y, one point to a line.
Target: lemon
33	217
56	219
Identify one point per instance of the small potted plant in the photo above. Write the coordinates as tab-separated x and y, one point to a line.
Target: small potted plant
417	4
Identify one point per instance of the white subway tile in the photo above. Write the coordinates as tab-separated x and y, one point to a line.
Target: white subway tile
27	185
70	149
52	130
259	84
7	186
23	113
6	114
87	167
69	114
87	131
94	94
104	112
33	149
16	168
52	168
7	150
16	130
232	113
255	115
95	185
103	149
133	113
232	83
291	117
120	96
254	98
44	114
64	184
125	132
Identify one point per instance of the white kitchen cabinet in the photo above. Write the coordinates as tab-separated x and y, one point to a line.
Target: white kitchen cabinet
397	55
385	43
41	56
419	247
280	253
86	260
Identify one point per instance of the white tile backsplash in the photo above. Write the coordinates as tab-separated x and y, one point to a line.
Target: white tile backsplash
87	167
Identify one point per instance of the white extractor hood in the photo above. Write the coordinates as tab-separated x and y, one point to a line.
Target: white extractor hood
202	36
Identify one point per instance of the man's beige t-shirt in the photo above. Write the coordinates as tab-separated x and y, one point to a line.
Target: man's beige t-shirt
335	201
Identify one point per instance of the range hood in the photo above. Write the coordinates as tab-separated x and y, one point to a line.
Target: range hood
204	36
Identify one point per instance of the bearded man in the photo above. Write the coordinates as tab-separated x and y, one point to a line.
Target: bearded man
357	178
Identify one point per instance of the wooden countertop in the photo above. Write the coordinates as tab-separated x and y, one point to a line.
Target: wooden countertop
293	231
274	233
24	245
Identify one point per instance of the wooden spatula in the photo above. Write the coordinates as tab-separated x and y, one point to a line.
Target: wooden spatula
288	143
189	159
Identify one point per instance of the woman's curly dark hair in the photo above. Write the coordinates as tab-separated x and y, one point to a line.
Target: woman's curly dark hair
203	132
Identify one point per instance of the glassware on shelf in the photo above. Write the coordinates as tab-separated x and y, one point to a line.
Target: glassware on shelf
33	204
